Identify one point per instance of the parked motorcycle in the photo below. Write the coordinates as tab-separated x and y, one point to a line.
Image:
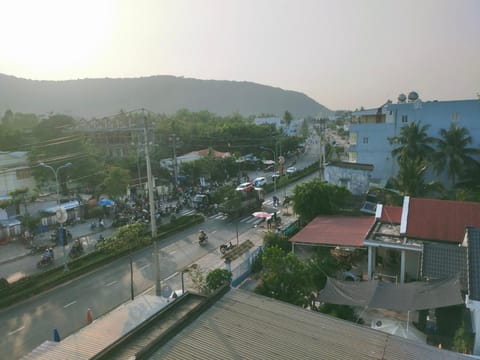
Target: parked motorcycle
226	247
93	225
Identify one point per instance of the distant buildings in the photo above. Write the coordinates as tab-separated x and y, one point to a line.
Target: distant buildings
371	129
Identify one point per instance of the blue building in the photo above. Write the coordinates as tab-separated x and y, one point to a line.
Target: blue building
371	129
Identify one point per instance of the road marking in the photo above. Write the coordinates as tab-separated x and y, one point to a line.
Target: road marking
111	283
15	331
214	231
171	276
69	304
172	252
144	266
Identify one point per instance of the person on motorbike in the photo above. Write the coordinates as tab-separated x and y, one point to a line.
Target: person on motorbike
202	236
47	255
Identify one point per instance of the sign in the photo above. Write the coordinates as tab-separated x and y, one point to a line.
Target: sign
61	215
281	160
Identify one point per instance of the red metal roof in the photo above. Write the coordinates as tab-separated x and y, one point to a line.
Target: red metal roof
391	214
441	220
335	230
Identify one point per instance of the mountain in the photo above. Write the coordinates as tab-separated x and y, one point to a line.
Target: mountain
161	94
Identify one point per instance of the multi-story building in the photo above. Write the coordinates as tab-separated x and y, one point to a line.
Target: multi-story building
371	129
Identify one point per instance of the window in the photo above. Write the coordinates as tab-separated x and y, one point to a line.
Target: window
455	116
365	140
404	118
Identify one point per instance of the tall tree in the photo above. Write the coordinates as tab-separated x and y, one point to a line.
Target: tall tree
413	143
453	154
413	149
315	198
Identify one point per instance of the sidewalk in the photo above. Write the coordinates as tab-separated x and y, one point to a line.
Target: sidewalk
15	250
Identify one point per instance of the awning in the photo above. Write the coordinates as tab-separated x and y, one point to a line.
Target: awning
67	206
400	297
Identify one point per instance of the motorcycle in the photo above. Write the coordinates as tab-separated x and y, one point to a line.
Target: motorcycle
93	225
226	247
45	260
76	250
202	238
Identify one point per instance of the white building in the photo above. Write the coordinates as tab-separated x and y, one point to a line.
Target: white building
15	173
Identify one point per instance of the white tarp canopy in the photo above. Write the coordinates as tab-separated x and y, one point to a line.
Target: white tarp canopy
376	294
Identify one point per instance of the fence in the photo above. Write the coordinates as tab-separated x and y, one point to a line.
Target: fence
241	270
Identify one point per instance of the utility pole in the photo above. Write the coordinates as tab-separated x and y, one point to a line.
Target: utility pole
153	220
322	149
174	139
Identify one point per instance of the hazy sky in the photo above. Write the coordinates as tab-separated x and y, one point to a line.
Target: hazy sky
342	53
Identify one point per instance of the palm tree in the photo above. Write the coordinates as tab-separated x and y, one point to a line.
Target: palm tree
453	155
413	143
413	152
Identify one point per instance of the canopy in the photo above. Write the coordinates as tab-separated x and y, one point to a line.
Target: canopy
401	297
106	202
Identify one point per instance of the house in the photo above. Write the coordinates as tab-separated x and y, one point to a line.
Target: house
354	176
422	239
371	129
334	231
15	172
193	156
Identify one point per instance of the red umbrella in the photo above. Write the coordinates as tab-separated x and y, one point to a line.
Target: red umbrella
262	214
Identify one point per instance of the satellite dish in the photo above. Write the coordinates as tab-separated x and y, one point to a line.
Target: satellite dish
61	214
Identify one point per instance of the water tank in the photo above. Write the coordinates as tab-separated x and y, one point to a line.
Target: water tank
412	96
401	98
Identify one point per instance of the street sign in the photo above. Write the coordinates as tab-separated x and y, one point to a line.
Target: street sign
61	215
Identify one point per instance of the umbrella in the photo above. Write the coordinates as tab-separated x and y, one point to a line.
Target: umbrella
106	202
262	214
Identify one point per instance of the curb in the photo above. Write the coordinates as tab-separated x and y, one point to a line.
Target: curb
14	258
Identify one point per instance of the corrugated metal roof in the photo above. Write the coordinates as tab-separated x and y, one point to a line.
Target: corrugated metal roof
391	214
243	325
102	333
441	220
335	231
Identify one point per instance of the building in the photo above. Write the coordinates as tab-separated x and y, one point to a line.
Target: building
371	129
15	172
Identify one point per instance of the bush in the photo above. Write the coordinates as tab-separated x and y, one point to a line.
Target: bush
217	278
4	283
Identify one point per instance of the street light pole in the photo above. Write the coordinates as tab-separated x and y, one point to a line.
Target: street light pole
55	173
274	167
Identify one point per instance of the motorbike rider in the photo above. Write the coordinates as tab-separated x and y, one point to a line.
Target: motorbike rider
202	236
47	255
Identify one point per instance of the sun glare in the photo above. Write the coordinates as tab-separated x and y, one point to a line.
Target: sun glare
54	37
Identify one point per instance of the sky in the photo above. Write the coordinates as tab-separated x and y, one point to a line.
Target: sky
344	54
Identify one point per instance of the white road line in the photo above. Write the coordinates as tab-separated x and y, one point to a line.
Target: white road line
69	304
172	252
171	276
111	283
143	267
15	331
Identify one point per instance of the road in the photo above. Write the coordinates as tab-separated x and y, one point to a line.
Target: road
30	323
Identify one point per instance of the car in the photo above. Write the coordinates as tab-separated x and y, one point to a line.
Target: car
291	170
275	175
259	181
246	186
